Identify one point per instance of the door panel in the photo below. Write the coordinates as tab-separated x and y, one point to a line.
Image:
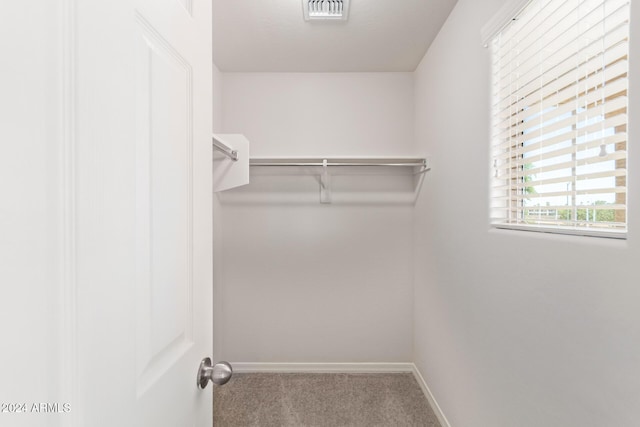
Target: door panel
164	189
144	201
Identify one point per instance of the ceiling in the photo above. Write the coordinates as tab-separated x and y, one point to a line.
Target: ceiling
272	36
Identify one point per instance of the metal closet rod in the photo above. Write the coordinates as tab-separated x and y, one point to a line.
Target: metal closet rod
228	151
338	162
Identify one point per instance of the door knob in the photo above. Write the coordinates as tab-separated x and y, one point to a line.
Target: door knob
219	374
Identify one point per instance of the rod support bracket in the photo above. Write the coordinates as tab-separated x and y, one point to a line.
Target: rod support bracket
325	183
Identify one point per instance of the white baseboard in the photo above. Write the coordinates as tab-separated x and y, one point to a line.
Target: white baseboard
244	367
432	400
323	367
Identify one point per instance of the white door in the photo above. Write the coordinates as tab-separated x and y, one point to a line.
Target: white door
142	77
105	212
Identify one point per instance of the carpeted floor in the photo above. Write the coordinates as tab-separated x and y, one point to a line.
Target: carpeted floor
314	400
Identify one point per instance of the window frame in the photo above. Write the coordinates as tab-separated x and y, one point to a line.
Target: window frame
510	11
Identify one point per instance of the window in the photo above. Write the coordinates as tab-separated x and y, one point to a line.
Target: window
559	109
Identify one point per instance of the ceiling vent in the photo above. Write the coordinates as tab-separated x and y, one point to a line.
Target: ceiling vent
323	10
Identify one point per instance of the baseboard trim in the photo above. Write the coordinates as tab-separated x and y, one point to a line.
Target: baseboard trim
430	398
323	367
246	367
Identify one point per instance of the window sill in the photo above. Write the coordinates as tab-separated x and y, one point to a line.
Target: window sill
618	235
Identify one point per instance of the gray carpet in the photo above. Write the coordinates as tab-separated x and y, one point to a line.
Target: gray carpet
314	400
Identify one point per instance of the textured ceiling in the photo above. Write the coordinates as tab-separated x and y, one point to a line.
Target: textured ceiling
272	35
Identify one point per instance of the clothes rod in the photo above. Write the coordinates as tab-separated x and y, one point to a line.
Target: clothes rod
339	162
229	152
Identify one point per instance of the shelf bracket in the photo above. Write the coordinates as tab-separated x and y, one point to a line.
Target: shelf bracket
325	183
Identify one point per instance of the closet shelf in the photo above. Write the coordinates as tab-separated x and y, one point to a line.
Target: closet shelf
325	167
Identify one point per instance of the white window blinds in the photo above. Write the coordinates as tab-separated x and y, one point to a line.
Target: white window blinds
559	142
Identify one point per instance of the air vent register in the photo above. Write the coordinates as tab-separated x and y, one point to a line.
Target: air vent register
325	10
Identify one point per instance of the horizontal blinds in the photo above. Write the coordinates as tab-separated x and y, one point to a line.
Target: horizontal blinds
559	138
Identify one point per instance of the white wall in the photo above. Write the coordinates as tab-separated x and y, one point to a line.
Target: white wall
295	114
305	282
514	328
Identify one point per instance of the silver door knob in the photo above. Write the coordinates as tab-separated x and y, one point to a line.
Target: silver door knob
219	374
